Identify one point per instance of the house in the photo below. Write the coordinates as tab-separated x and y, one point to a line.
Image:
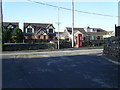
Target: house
95	35
68	32
60	35
41	31
109	34
10	25
88	34
98	33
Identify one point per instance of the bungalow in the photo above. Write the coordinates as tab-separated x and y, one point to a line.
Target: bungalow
60	35
10	25
68	32
98	33
44	31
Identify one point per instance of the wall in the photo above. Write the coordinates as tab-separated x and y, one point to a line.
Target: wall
19	47
112	48
117	31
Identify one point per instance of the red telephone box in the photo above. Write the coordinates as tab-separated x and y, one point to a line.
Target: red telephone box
78	40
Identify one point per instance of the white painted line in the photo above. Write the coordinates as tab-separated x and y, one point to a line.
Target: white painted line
115	62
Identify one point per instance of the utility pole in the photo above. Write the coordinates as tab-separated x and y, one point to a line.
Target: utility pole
1	21
58	27
119	13
1	15
72	23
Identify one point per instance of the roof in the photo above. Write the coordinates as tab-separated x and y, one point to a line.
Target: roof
69	29
38	25
110	31
15	24
59	32
98	29
96	33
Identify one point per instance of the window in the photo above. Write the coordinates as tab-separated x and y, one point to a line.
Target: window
50	37
44	37
98	30
29	30
98	38
10	26
50	30
90	37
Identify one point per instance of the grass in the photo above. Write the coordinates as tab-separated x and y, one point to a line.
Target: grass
15	43
27	43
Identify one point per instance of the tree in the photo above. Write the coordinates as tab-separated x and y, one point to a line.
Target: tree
17	35
6	35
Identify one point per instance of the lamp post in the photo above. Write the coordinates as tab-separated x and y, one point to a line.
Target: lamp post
72	23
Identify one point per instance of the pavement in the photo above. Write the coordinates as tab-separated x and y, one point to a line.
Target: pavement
59	69
50	53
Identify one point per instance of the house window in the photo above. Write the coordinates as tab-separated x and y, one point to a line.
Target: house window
44	37
10	26
50	30
50	37
94	30
29	37
29	29
98	38
90	37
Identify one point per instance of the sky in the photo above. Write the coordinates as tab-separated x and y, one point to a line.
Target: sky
119	14
26	11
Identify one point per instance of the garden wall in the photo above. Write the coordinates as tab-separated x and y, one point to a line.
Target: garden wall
19	47
112	47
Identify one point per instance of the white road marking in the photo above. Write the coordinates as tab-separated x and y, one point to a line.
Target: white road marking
115	62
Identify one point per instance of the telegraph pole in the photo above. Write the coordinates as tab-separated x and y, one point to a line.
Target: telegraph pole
1	21
119	13
1	15
72	23
58	27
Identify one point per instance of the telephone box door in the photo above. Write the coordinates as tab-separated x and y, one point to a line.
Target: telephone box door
78	40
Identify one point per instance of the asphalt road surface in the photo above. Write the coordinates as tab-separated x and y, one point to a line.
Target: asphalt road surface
89	70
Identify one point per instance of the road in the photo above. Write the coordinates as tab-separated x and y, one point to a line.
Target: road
63	69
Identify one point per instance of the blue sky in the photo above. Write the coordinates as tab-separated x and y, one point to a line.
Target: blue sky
32	12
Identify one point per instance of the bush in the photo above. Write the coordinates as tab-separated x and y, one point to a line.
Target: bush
17	35
6	35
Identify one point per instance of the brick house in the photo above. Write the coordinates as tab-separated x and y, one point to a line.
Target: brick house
39	31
